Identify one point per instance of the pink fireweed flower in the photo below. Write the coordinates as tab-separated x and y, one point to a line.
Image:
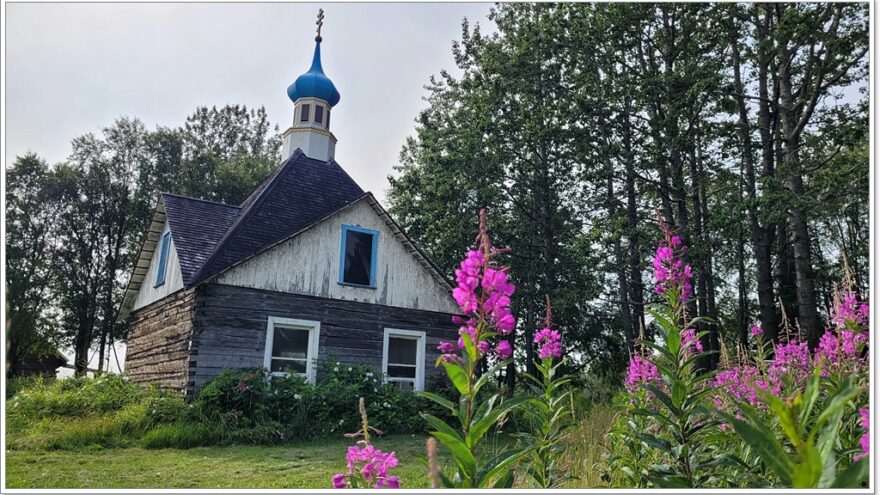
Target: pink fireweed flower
791	365
372	464
741	383
865	440
848	312
836	350
640	372
670	271
503	349
339	480
446	347
483	294
690	341
550	342
756	330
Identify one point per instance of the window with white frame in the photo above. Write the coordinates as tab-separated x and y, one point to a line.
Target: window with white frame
403	358
292	346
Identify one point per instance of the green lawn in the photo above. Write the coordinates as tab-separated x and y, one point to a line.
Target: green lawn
32	463
304	465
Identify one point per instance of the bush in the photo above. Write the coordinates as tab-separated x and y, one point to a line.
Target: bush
74	397
248	405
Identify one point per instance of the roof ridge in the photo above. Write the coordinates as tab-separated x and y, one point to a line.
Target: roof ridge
199	199
245	212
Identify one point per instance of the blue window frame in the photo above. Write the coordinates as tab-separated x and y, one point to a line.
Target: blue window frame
163	258
357	256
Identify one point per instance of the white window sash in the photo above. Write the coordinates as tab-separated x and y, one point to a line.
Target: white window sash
314	329
420	337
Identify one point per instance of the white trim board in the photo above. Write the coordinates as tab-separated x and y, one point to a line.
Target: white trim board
417	335
314	329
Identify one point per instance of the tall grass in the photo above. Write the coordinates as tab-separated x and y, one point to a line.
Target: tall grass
585	447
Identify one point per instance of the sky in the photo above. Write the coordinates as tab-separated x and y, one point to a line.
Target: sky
74	68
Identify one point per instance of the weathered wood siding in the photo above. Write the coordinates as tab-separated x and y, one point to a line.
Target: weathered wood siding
309	264
230	328
148	293
158	347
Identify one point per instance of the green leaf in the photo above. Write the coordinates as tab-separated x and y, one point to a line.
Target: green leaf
495	466
764	444
853	476
441	426
656	442
446	403
489	374
458	377
806	474
463	457
479	428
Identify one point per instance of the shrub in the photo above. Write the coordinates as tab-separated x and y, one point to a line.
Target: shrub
74	397
240	392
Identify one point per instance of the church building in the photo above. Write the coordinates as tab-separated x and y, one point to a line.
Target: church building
308	267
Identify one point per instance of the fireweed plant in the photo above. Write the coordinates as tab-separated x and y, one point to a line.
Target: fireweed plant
548	410
483	294
367	466
672	401
779	415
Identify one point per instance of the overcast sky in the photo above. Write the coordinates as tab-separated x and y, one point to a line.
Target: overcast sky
74	68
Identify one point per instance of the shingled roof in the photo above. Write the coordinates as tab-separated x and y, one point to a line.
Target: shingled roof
197	227
211	237
301	191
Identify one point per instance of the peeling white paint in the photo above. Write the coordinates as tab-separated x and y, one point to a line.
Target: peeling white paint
148	293
309	264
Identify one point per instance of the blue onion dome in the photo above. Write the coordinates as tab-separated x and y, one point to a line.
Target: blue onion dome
314	83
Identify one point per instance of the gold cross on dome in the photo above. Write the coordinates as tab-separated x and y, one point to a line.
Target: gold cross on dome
320	21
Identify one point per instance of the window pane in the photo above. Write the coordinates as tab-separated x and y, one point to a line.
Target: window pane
402	351
285	366
401	371
328	119
290	343
319	113
304	113
163	259
358	257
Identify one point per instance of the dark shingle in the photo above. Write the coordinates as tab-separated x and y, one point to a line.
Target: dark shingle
197	226
301	191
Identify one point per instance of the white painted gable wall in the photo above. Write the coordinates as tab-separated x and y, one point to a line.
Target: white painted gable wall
309	264
173	277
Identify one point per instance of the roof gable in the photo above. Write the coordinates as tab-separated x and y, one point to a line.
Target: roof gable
308	262
301	191
197	226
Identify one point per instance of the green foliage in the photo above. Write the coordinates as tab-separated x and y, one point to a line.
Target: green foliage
799	444
180	435
552	417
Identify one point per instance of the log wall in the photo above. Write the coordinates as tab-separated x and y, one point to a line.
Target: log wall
230	328
159	337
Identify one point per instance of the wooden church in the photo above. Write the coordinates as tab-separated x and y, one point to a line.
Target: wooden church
308	267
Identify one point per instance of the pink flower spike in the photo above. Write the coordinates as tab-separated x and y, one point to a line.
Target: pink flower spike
503	349
338	480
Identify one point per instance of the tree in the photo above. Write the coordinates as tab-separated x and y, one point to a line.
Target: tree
32	208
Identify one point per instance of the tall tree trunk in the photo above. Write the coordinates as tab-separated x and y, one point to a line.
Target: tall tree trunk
761	235
636	286
808	314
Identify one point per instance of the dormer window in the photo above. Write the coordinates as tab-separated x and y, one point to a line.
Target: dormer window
304	113
319	114
357	263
